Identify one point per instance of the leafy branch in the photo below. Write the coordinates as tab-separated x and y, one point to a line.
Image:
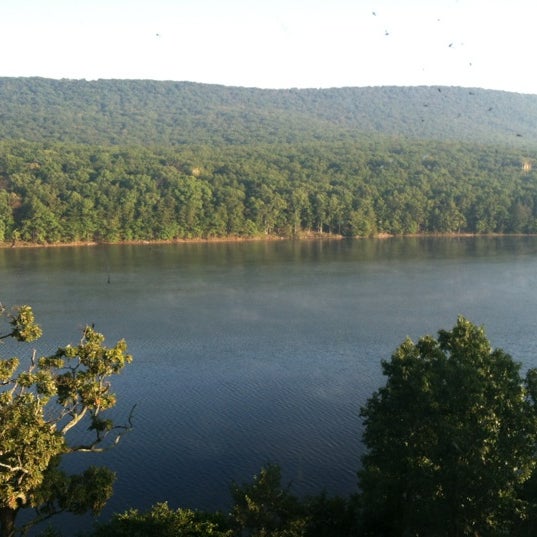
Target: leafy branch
39	404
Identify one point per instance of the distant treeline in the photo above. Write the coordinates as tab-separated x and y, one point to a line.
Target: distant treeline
160	113
60	192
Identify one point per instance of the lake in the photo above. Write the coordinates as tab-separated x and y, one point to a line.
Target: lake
254	352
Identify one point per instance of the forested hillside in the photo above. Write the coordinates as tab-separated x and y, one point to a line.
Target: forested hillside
151	113
65	192
143	160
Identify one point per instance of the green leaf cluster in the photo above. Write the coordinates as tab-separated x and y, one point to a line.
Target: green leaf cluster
24	325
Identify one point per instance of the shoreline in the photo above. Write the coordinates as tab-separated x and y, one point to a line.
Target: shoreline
268	238
142	242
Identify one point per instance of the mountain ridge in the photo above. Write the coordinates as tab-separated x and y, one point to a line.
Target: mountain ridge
168	113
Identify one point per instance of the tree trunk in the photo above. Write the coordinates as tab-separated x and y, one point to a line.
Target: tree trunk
7	522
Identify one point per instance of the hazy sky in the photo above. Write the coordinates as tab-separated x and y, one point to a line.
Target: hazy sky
275	43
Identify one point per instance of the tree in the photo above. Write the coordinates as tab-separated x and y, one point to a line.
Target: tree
265	508
450	439
39	404
262	508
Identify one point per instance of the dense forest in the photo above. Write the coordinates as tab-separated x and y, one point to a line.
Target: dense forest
155	113
64	193
143	160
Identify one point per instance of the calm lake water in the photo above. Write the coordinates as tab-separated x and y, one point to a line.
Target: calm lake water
248	353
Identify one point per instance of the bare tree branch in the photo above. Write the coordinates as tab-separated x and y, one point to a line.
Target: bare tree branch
75	419
14	468
94	447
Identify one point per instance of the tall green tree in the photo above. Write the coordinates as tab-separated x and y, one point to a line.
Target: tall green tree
450	439
39	405
265	508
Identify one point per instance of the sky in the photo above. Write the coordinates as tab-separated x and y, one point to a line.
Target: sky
275	43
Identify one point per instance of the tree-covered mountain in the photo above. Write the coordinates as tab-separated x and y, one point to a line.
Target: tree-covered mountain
158	113
142	160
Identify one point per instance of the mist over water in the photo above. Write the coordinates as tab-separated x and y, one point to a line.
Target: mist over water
248	353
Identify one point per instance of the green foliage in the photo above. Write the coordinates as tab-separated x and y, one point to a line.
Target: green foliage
264	508
76	494
38	405
80	162
24	325
331	516
65	193
161	521
27	445
150	113
450	439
